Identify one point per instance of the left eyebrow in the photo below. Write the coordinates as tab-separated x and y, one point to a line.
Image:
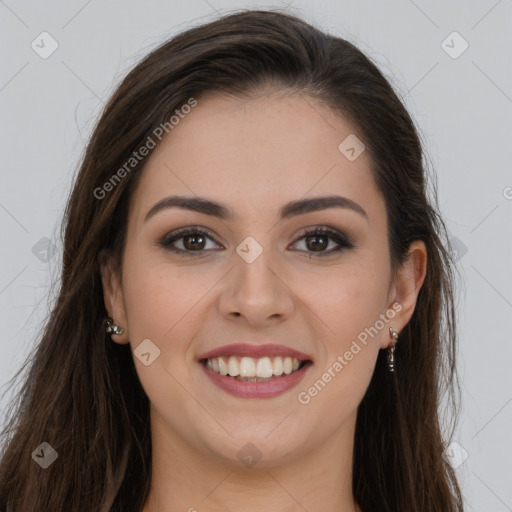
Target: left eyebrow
291	209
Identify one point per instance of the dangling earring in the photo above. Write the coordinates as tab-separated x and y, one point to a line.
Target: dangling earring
391	350
112	328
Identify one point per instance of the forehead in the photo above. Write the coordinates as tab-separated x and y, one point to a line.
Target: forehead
261	151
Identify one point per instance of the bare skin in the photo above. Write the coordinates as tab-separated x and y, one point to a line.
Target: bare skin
253	156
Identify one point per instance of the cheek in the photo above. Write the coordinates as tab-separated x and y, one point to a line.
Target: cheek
347	300
167	305
339	381
152	301
349	304
162	307
335	389
158	293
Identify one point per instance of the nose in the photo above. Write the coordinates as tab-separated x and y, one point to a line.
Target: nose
256	292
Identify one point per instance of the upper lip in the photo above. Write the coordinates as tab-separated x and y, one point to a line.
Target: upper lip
255	351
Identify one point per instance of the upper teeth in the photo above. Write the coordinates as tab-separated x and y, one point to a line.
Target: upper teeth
264	367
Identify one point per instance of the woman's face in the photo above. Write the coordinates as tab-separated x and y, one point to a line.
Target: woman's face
251	278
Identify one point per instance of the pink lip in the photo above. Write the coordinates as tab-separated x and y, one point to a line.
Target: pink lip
255	351
257	389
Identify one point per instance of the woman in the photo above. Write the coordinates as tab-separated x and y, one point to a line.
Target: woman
256	306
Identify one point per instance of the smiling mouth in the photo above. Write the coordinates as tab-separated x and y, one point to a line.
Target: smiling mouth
249	369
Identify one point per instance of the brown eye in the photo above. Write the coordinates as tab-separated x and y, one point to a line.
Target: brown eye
316	242
193	242
188	241
319	239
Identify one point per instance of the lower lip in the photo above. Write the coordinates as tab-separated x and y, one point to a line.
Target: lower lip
267	389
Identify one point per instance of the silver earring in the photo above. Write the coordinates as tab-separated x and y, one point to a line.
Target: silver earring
391	349
112	328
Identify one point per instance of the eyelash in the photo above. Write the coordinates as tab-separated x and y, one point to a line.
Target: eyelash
343	241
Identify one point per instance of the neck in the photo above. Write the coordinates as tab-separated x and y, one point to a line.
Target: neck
186	478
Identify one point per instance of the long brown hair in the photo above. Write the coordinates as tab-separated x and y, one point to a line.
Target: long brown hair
81	393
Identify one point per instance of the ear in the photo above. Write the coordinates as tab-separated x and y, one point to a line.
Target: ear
405	288
113	296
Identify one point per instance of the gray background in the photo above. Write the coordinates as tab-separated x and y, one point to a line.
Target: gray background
462	106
